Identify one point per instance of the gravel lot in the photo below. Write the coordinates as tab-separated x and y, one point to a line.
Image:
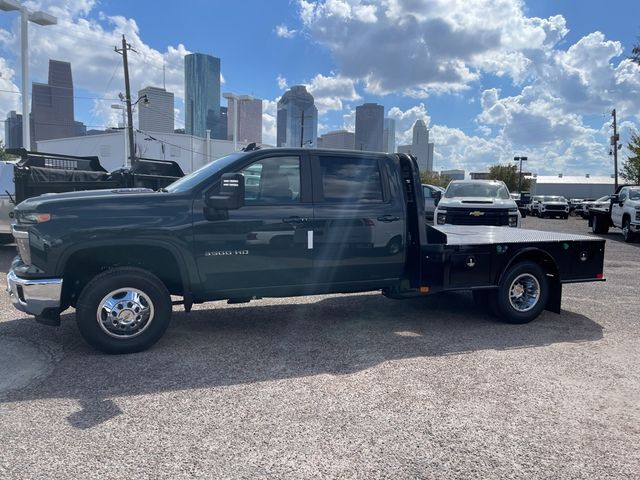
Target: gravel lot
337	386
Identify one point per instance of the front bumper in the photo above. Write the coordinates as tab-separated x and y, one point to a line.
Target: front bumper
34	296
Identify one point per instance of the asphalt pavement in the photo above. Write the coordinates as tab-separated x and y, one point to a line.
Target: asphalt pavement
337	386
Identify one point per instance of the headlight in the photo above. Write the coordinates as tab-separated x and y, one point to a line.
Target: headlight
34	217
442	217
22	242
513	220
638	214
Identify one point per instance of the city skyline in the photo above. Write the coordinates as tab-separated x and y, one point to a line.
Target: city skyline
539	79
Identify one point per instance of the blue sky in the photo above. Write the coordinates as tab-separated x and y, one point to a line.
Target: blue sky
492	79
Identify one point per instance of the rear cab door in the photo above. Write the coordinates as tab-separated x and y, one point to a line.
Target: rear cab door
617	208
359	219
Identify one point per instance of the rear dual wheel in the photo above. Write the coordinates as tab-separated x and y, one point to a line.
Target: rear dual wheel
521	296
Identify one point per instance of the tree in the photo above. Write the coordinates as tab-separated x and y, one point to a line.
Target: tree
434	178
3	153
510	176
631	168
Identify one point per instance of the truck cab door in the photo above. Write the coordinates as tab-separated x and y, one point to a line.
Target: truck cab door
617	208
263	244
359	219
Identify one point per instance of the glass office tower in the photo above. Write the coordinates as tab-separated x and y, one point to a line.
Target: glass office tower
202	95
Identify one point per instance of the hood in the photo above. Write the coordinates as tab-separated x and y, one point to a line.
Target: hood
555	202
59	198
477	202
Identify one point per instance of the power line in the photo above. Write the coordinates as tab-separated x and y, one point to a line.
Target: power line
64	96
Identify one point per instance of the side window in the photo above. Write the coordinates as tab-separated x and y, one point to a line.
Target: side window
427	192
623	195
350	179
272	181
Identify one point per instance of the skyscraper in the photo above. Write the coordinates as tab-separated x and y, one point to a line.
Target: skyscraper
249	119
389	136
297	121
202	94
157	115
52	105
224	119
420	147
13	130
369	127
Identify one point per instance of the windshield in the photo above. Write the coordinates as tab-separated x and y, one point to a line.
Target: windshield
554	199
194	178
634	194
491	190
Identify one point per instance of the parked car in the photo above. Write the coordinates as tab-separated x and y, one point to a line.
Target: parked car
533	206
430	194
573	204
118	256
623	212
587	205
477	202
553	206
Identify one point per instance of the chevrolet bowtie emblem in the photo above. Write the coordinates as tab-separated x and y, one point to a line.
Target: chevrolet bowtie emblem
476	213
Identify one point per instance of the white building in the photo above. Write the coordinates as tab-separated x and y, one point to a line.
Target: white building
157	114
573	186
420	147
454	174
187	151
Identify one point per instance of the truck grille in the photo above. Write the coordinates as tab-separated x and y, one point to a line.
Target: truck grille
477	216
555	208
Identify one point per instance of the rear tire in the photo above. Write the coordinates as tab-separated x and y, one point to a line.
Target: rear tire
522	294
123	310
598	225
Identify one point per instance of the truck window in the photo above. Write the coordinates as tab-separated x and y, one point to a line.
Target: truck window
350	180
272	181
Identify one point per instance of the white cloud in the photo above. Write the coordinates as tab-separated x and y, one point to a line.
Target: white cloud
330	91
406	119
285	32
8	101
269	116
429	46
282	82
88	44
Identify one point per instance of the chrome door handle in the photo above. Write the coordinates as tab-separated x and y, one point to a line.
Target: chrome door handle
388	218
294	220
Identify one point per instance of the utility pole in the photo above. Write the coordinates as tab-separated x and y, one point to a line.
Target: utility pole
520	159
302	131
127	90
614	141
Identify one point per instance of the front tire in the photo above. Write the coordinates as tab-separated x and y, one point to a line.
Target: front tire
123	310
522	294
627	233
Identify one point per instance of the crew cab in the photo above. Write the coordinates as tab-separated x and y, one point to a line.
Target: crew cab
553	206
622	212
477	202
346	221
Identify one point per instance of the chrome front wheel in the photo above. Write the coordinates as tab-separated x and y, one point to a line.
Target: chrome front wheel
125	313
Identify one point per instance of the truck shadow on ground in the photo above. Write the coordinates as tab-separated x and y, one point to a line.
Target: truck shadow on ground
256	343
616	236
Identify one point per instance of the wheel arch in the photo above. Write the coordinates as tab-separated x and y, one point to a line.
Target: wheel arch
95	257
550	268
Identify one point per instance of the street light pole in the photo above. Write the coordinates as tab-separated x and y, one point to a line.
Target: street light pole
43	19
520	159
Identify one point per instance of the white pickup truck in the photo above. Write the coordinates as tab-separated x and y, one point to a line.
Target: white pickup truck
623	213
477	202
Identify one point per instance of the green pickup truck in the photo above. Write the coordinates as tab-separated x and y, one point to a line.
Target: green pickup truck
272	223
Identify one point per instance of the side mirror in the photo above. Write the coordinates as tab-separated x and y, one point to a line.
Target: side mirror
437	196
231	193
615	198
